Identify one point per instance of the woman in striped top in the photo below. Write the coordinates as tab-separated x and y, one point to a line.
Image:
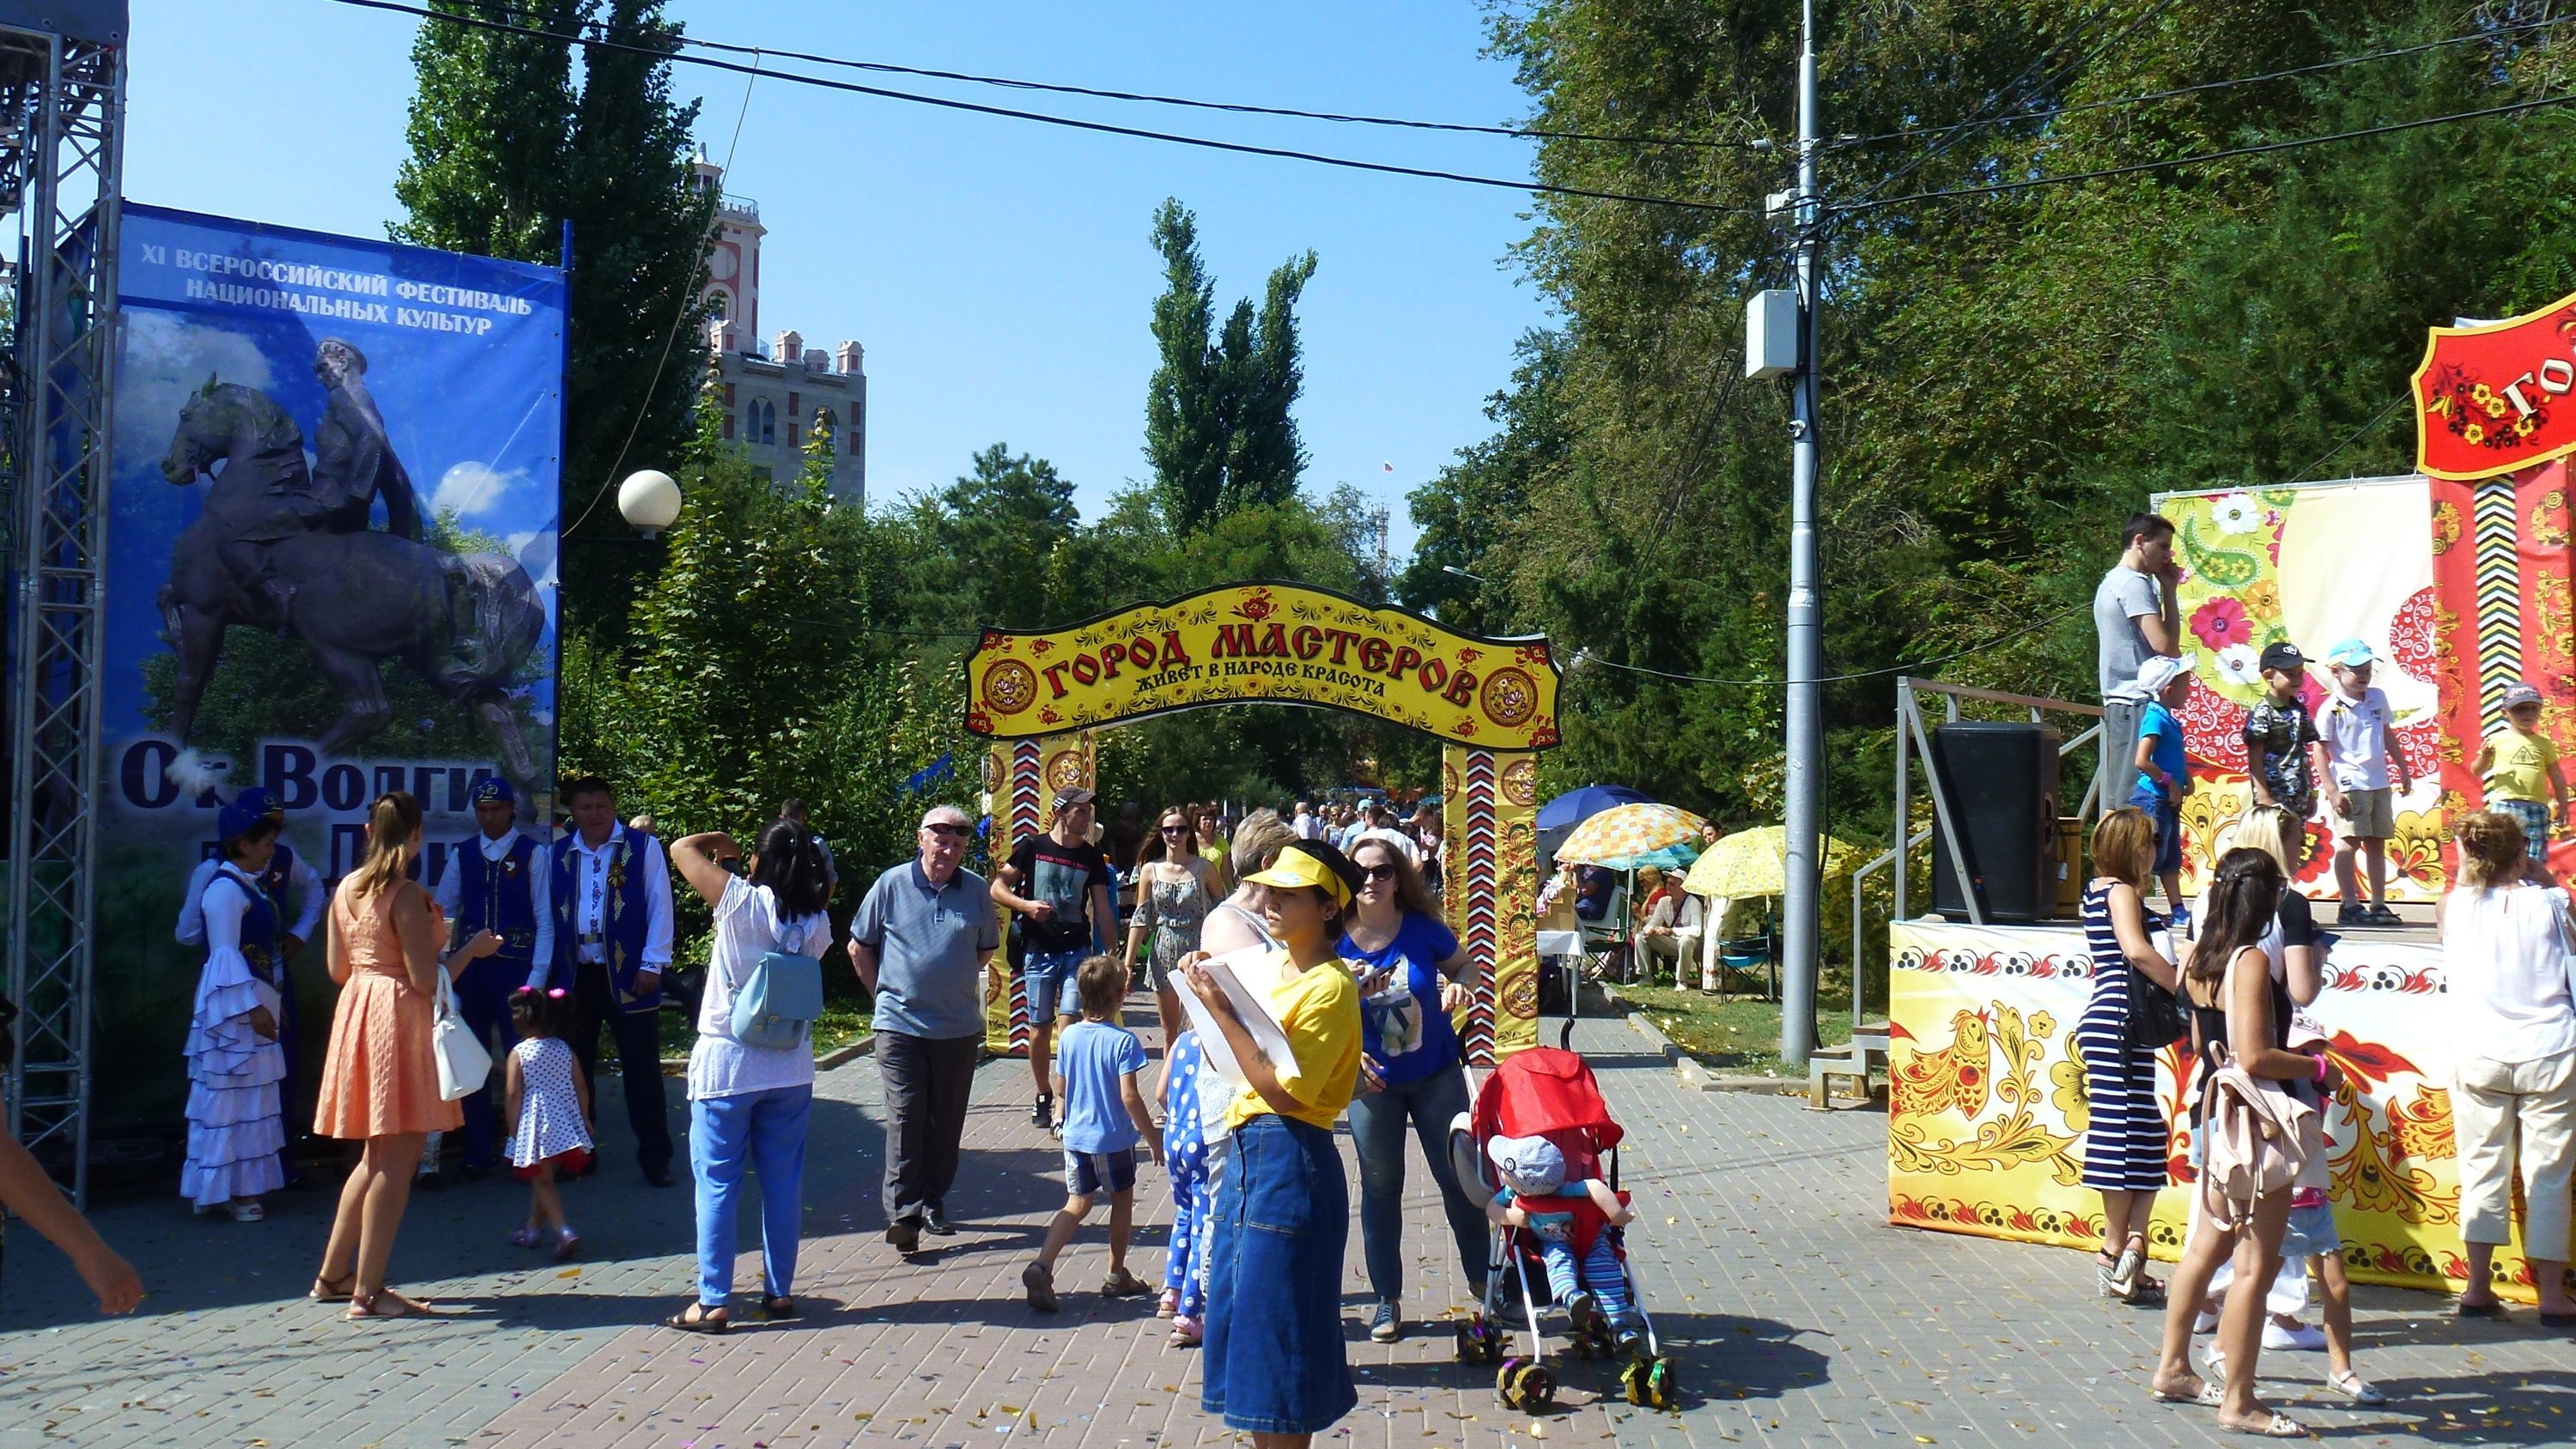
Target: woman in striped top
2126	1145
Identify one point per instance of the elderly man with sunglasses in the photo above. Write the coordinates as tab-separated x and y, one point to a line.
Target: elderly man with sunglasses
921	941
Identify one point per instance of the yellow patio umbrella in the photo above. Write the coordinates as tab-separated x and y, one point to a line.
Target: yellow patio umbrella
1625	837
1755	863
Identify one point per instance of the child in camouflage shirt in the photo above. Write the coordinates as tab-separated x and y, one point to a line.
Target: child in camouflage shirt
2278	732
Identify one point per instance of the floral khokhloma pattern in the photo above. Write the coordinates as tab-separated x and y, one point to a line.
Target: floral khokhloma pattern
1925	1085
1995	1217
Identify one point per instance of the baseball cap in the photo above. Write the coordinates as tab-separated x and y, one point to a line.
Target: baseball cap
235	820
491	789
2283	655
948	815
1072	795
2159	671
1299	866
2519	693
2351	654
1529	1165
258	801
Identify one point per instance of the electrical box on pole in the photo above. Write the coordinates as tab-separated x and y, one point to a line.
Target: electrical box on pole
1771	333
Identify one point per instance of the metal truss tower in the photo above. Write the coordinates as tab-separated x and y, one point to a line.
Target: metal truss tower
62	112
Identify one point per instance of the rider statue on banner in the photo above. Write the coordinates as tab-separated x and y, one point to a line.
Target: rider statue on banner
287	545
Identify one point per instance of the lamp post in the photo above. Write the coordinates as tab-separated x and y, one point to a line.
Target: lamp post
650	501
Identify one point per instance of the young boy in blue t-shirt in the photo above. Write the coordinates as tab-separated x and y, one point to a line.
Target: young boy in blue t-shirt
2164	771
1104	1117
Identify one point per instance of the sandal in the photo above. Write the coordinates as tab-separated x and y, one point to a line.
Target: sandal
2208	1396
699	1318
2356	1388
2108	1270
1124	1284
1168	1304
2274	1426
778	1309
386	1303
527	1237
1186	1331
328	1290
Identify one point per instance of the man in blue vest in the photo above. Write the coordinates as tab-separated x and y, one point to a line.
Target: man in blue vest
295	888
612	941
496	880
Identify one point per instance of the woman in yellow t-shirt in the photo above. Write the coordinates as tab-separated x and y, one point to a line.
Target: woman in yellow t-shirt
1274	1364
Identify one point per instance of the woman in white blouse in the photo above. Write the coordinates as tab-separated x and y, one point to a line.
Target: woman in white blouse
2507	945
748	1105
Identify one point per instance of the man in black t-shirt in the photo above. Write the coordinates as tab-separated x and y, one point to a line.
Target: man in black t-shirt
1065	915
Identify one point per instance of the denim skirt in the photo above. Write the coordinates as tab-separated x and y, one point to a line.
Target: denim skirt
1272	1361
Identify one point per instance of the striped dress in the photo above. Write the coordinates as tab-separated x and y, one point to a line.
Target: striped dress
2126	1145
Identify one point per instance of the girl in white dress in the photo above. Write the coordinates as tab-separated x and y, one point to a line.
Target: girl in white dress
236	1123
549	1106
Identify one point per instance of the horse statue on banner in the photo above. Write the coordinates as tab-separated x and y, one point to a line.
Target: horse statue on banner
263	554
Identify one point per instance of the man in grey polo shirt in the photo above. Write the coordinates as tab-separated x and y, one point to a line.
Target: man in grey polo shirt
920	941
2135	619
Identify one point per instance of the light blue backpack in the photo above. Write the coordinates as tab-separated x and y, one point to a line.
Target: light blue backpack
777	1003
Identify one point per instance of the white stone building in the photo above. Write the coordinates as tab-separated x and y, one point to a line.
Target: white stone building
775	396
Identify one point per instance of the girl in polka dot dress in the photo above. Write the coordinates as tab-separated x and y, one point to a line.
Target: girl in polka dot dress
1185	1159
550	1105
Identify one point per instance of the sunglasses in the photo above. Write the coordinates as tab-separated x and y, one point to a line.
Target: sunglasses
1377	872
950	832
1176	830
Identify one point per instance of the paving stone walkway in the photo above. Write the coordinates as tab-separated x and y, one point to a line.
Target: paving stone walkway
1798	1317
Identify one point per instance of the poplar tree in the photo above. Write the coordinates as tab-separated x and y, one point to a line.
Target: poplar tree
1220	430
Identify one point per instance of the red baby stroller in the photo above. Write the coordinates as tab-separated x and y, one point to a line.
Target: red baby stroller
1545	1092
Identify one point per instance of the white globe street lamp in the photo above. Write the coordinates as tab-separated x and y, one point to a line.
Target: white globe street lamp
650	500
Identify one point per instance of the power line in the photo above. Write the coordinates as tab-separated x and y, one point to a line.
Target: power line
2310	471
2260	149
1528	133
1043	118
1588	657
2149	97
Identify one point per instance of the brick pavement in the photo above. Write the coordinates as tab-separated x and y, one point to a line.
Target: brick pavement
1797	1315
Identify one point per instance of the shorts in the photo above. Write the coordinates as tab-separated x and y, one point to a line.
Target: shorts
2311	1234
2167	813
566	1164
2533	817
1087	1174
2367	814
1050	977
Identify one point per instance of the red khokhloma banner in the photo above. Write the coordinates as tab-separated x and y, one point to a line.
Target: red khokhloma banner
2493	398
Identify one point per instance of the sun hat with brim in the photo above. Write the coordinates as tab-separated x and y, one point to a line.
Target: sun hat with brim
2158	672
2351	654
1299	869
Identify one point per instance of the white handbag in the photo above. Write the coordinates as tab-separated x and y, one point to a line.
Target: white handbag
464	1065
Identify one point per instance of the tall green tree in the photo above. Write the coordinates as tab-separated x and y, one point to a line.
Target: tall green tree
507	145
1220	428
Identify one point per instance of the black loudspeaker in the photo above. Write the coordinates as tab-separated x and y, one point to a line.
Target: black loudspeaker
2000	782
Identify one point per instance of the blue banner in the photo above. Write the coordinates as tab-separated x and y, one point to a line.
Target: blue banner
331	573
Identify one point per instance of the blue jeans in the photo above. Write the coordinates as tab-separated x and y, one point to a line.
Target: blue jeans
1051	990
1377	1129
765	1131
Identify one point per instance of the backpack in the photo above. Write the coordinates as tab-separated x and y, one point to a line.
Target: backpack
778	1000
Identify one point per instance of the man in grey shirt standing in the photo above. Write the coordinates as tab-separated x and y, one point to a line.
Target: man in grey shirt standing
2135	618
920	941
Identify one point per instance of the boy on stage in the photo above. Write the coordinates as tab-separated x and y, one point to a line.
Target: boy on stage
2357	756
2520	767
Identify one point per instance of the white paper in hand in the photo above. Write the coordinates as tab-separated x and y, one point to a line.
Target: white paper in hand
1251	1004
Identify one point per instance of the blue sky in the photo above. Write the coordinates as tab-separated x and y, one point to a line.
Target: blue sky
996	270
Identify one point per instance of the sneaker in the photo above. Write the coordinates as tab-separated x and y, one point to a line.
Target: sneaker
2205	1323
2383	916
1386	1325
2349	914
1042	1112
2297	1335
1040	1285
1631	1341
1585	1312
527	1237
905	1234
1123	1284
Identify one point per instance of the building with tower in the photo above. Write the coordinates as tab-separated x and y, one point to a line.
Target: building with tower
775	396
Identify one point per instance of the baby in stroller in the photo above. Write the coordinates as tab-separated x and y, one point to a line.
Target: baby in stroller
1570	1220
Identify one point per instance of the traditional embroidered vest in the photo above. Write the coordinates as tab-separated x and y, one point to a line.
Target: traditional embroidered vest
492	895
624	915
259	929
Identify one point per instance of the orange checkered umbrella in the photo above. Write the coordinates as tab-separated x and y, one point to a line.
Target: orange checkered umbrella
1627	837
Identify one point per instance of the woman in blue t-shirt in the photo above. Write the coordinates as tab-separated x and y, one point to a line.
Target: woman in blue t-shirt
1411	978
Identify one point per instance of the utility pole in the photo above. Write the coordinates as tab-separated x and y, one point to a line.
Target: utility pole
1801	888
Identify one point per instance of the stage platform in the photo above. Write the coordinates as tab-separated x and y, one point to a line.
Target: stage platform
1987	1111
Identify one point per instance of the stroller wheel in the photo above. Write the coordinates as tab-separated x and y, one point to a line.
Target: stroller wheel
1660	1388
1471	1346
1538	1388
1633	1384
1507	1381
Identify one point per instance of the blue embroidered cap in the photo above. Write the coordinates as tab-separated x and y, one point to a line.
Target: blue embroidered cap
492	788
235	820
258	801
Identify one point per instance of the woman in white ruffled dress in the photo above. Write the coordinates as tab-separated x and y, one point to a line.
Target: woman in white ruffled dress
236	1122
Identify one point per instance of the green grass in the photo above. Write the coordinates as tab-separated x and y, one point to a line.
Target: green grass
1738	1037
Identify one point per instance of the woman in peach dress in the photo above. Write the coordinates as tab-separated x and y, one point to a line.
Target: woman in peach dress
380	1079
